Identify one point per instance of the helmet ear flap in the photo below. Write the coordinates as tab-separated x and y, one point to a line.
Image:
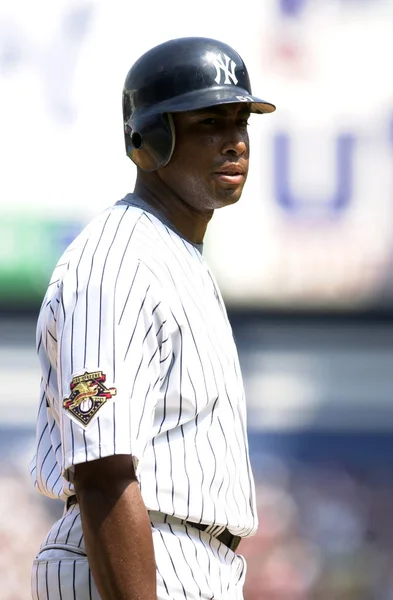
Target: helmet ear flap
150	141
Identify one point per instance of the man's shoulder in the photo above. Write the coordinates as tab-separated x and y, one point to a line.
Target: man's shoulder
128	221
113	226
117	240
119	236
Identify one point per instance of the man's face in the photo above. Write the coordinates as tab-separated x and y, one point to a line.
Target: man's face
209	165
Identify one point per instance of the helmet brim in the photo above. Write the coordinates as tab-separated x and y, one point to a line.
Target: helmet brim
197	99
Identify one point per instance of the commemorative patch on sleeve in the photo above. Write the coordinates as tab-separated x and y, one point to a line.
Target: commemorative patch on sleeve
88	394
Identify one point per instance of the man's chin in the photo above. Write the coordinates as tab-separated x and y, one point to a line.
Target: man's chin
231	197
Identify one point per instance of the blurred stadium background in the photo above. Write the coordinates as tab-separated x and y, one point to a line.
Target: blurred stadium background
304	261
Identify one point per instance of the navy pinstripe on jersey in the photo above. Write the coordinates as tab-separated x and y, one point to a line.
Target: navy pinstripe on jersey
190	564
132	299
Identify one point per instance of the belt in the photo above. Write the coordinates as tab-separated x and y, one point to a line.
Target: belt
223	536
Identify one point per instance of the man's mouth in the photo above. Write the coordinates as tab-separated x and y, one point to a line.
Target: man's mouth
231	169
230	173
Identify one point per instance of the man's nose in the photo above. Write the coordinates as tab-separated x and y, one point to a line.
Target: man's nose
236	143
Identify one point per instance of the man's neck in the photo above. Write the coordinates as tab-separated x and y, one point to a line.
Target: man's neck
190	223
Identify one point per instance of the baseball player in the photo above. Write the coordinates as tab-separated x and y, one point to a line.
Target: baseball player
141	426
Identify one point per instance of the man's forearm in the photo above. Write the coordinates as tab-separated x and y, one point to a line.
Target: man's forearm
119	543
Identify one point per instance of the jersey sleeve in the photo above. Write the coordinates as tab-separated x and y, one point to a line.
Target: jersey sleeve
110	332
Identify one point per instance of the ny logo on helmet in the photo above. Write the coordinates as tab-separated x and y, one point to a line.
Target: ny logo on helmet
225	67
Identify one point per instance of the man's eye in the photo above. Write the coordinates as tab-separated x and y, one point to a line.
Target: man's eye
214	121
209	121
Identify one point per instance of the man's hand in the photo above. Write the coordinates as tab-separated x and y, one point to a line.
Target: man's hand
116	528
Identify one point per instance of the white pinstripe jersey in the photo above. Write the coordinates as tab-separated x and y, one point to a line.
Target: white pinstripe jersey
138	357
